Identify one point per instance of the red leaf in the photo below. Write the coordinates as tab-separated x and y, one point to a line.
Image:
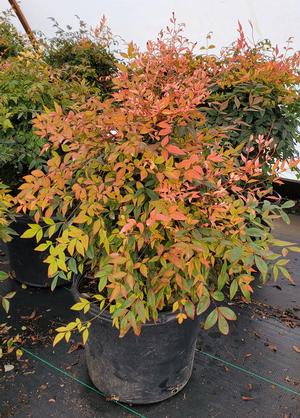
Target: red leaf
173	149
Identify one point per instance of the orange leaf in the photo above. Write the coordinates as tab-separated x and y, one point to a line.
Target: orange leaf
173	149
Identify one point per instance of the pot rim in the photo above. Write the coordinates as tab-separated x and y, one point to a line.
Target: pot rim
163	317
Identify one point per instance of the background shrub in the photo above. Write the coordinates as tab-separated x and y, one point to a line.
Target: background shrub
84	53
255	91
11	41
27	86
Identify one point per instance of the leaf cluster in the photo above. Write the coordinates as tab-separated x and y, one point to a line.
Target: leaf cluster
6	217
145	196
27	87
255	91
83	53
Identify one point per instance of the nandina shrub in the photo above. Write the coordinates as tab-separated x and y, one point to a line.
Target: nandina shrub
148	203
12	43
84	53
255	91
27	86
6	233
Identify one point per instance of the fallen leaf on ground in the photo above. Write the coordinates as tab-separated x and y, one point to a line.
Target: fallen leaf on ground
75	347
271	346
8	367
31	316
296	348
247	398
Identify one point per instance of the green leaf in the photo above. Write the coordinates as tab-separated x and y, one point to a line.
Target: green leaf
286	274
255	232
275	273
261	265
223	325
227	313
10	295
235	254
217	295
223	276
5	304
279	243
211	319
288	204
102	283
285	217
282	262
72	265
48	221
233	288
203	305
152	194
3	275
189	309
54	283
151	299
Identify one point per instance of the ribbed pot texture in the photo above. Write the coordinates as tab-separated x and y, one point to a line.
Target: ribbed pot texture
140	369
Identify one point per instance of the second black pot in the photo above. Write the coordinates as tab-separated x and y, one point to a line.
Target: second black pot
140	369
27	263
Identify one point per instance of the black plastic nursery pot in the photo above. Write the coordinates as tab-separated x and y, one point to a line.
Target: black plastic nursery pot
27	263
140	369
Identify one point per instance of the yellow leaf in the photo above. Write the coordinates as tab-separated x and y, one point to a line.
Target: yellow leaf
19	353
71	246
144	270
87	307
175	306
85	336
79	247
67	336
58	338
61	329
85	242
52	269
78	306
181	317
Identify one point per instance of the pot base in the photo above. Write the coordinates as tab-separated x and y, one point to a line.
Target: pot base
141	369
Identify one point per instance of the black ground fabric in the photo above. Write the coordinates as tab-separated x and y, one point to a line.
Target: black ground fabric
252	373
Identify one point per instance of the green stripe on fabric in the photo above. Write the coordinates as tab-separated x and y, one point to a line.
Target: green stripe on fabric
52	366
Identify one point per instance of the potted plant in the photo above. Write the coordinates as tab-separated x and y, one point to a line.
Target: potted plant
28	84
6	233
159	222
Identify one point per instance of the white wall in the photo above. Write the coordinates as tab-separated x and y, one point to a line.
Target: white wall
140	20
